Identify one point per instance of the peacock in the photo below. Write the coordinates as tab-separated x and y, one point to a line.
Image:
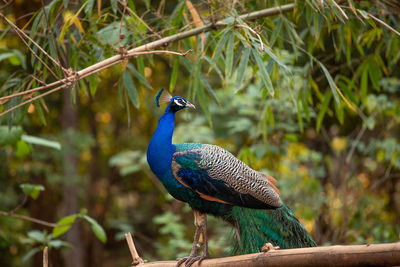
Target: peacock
212	181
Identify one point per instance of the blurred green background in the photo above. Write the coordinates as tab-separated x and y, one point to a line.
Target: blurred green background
326	127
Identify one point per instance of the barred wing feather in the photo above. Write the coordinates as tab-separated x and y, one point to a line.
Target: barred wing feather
216	175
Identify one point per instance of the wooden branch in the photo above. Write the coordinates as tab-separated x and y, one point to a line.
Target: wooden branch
46	257
136	259
75	76
345	256
27	218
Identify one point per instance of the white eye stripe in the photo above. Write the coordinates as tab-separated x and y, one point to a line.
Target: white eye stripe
177	102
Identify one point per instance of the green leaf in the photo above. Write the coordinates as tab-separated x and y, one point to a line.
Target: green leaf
6	55
32	190
299	115
96	228
275	33
38	236
59	243
130	88
139	76
242	66
114	6
10	136
332	84
140	65
364	83
339	112
39	110
64	224
375	74
264	74
41	141
276	59
174	74
89	7
23	149
30	254
208	87
229	55
220	45
214	66
202	99
323	109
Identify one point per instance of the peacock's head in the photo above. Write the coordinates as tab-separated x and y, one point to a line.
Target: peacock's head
175	103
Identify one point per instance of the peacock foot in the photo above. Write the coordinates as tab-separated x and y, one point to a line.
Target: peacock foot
269	247
189	260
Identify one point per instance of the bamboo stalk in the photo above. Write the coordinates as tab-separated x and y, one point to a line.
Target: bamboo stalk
345	256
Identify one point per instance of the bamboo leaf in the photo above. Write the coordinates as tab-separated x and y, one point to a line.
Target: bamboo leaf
364	83
264	74
130	88
174	74
139	76
229	56
299	115
332	84
276	59
275	33
242	66
214	66
202	99
41	141
323	109
208	87
220	45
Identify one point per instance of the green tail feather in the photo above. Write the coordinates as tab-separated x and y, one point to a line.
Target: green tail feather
279	227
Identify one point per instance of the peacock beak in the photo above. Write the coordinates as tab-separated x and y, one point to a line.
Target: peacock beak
190	105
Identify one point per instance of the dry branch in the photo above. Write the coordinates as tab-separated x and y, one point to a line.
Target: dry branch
147	48
27	218
136	259
345	256
46	257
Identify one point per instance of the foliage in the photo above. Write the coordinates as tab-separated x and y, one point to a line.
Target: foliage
309	96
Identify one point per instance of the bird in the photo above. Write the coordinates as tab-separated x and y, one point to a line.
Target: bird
213	181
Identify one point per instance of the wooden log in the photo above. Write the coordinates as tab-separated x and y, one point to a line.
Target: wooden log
345	256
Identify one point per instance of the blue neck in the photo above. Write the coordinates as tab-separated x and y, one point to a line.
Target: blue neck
160	150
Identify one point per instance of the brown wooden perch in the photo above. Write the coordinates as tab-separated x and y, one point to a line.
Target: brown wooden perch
354	255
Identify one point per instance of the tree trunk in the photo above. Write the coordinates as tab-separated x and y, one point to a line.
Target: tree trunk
75	255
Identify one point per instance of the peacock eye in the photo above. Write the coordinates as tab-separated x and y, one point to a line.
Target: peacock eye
180	101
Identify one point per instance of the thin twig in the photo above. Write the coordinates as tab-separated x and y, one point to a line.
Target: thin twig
34	98
6	4
27	218
46	257
135	256
383	23
20	205
340	9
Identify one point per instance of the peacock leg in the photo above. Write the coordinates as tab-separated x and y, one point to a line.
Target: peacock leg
200	221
